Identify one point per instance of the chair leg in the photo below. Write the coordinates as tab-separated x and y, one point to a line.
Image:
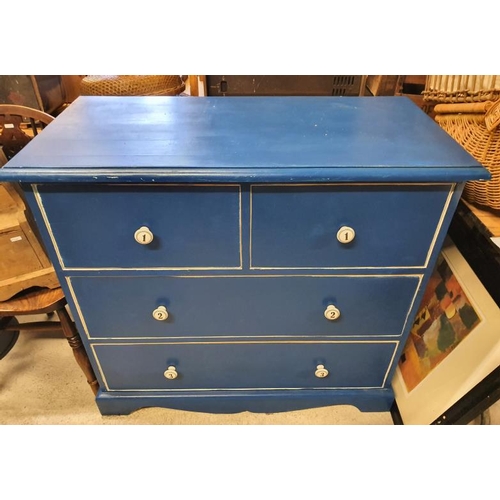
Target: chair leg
74	340
7	338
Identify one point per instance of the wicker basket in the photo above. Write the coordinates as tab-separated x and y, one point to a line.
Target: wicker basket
466	124
462	88
131	85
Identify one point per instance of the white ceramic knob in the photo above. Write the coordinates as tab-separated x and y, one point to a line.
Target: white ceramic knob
160	313
346	234
143	235
321	371
332	313
170	373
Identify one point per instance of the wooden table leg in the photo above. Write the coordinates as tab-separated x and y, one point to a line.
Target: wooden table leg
74	340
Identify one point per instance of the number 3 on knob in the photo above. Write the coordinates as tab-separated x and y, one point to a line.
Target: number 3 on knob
321	371
170	373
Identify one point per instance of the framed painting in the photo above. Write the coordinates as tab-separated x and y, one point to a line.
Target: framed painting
454	341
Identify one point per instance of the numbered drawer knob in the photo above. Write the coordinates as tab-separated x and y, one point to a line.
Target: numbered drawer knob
332	313
160	313
321	371
143	236
170	373
346	234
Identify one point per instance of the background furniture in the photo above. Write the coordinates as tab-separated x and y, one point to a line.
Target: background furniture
294	85
462	88
131	85
411	86
468	124
28	282
43	301
24	262
471	230
270	270
197	85
468	108
47	93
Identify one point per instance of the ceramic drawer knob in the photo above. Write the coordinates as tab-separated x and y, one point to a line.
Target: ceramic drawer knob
321	371
160	313
143	236
332	313
170	373
346	234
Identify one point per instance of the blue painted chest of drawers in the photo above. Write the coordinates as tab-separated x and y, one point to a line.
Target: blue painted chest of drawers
232	254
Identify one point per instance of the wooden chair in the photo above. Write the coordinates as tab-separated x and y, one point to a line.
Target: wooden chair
23	260
44	301
32	288
14	135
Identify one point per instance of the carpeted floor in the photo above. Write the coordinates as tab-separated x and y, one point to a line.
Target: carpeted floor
40	383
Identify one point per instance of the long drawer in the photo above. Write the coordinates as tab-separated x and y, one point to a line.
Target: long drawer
171	366
344	226
187	306
144	226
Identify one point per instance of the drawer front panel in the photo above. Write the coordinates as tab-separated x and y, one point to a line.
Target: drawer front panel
244	365
227	306
296	227
192	226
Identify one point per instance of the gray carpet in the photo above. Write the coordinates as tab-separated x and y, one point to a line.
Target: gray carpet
40	383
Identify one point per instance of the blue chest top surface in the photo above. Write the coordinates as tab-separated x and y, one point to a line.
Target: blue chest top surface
242	139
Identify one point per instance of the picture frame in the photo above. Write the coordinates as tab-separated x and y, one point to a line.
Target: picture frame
424	391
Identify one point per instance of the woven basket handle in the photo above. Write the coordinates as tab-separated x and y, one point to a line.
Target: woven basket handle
463	107
492	117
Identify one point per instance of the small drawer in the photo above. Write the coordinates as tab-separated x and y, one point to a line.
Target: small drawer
108	227
344	226
194	306
260	365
